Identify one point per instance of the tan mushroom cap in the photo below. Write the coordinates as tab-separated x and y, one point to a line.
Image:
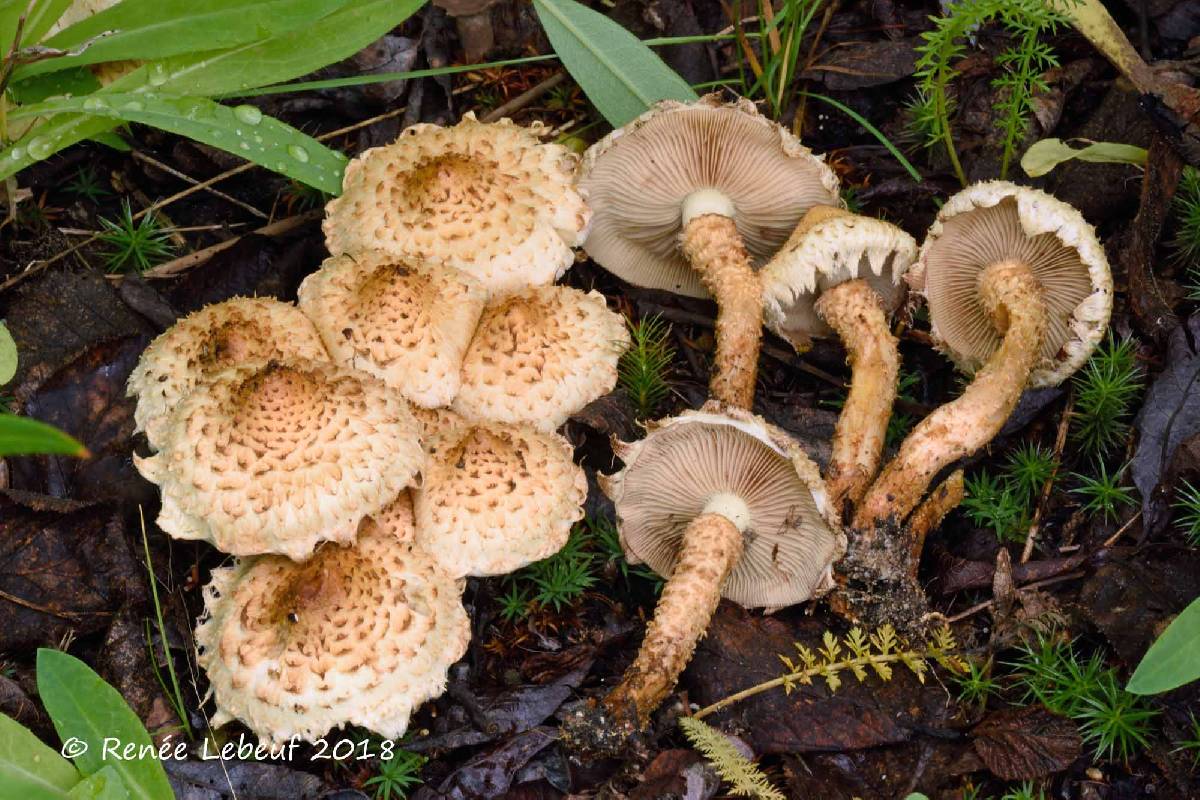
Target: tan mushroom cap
791	538
279	456
497	497
359	634
207	341
540	355
839	248
407	324
998	221
638	178
486	198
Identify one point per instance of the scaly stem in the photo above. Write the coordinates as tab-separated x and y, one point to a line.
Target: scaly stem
1013	297
714	247
854	310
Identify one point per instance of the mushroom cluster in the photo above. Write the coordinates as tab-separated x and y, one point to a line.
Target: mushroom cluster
362	452
712	198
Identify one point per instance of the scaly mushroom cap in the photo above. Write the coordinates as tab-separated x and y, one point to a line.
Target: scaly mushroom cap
277	457
637	178
839	248
207	341
496	497
540	355
791	539
406	324
486	198
359	634
997	221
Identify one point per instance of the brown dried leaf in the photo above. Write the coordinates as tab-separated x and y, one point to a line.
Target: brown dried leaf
1020	744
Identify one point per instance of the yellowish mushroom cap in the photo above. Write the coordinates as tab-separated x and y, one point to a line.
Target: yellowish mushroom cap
359	634
279	456
212	339
406	324
540	355
791	535
839	248
639	178
486	198
496	497
997	221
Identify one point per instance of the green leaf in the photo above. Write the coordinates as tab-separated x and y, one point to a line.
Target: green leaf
40	19
30	769
8	355
241	130
142	30
104	785
1045	155
620	75
23	436
1174	658
78	81
84	707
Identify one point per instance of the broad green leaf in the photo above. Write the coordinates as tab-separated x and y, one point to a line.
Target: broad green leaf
84	707
8	355
241	130
1174	658
143	30
620	75
104	785
77	81
30	769
1045	155
21	436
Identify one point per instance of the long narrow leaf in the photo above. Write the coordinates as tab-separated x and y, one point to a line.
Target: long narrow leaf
21	436
40	19
29	768
871	129
620	75
1174	658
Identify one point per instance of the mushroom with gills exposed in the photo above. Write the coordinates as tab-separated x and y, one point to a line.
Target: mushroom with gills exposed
723	505
841	273
692	198
1019	294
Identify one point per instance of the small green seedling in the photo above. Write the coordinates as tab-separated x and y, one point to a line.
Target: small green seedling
134	244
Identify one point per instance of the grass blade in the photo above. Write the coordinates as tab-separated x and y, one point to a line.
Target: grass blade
20	436
871	129
1171	661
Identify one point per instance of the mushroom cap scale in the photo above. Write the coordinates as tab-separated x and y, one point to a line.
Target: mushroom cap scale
486	198
671	477
539	355
993	222
276	457
408	325
497	497
212	339
839	248
639	178
359	634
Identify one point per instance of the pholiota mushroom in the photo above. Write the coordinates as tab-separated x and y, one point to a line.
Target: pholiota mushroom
496	497
486	198
840	272
276	457
690	198
1019	294
407	324
212	339
540	355
359	634
724	505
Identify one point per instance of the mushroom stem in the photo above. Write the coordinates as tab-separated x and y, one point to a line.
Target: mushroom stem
933	509
712	545
1012	296
853	309
714	247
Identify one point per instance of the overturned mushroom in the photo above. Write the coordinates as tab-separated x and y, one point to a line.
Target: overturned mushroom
359	634
279	456
842	272
496	497
216	337
689	198
486	198
726	506
540	355
407	324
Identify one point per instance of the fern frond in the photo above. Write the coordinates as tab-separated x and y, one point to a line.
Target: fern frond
743	775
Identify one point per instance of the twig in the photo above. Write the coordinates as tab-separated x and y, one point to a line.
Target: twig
975	609
1110	541
524	98
154	162
184	263
1060	443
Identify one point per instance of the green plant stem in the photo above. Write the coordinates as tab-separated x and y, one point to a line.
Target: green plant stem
948	138
180	711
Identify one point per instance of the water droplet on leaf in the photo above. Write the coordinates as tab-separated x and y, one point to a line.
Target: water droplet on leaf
248	114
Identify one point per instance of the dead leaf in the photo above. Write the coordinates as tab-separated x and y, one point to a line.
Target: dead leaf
243	780
1020	744
490	774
